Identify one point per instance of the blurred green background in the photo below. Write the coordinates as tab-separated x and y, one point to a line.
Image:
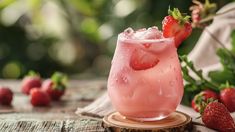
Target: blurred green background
77	37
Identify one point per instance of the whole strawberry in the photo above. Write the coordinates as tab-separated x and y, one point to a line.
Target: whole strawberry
32	80
216	116
39	97
203	96
227	97
6	96
176	25
55	86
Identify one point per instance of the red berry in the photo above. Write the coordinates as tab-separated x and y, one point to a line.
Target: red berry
142	60
53	92
216	116
195	106
39	97
55	86
227	97
30	82
202	96
6	96
176	25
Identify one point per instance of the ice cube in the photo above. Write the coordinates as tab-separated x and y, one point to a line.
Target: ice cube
150	33
140	34
141	30
129	31
153	33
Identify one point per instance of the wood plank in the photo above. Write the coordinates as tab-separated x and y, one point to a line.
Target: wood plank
79	125
83	125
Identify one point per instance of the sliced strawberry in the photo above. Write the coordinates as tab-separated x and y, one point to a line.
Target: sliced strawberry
176	25
142	60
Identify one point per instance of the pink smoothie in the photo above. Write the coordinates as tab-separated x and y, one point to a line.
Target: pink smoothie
145	81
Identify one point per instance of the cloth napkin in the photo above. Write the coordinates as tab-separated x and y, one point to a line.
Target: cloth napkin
203	55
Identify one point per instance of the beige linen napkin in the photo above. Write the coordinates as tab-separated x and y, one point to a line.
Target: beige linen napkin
203	55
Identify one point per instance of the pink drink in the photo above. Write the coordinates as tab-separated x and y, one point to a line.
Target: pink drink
145	81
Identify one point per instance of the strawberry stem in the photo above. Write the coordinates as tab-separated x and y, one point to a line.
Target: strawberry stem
211	17
60	80
226	85
32	73
176	14
205	103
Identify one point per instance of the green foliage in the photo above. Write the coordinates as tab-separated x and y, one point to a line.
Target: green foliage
20	54
90	27
227	59
233	41
60	80
219	78
194	84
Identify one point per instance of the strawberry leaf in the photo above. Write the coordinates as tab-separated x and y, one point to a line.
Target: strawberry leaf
222	76
181	17
32	73
233	41
60	80
228	72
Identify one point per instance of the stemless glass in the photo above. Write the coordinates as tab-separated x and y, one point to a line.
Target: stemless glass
145	81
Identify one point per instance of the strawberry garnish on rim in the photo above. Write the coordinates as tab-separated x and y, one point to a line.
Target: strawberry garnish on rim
176	25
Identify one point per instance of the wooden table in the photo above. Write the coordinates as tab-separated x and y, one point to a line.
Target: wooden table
60	116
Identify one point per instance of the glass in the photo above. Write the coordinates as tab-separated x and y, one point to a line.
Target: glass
145	81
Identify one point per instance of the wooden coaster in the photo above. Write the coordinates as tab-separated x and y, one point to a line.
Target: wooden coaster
177	121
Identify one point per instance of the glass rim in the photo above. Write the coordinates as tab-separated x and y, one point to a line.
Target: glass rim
132	40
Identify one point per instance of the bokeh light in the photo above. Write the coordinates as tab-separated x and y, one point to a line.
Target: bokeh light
77	37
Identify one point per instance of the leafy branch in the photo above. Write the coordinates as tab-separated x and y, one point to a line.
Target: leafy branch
199	82
194	84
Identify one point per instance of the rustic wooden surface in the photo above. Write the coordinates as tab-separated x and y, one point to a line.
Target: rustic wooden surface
60	116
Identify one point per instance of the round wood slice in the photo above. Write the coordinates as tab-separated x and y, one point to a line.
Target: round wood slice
177	121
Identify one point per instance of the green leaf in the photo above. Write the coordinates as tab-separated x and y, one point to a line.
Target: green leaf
226	59
233	41
32	73
60	80
222	76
